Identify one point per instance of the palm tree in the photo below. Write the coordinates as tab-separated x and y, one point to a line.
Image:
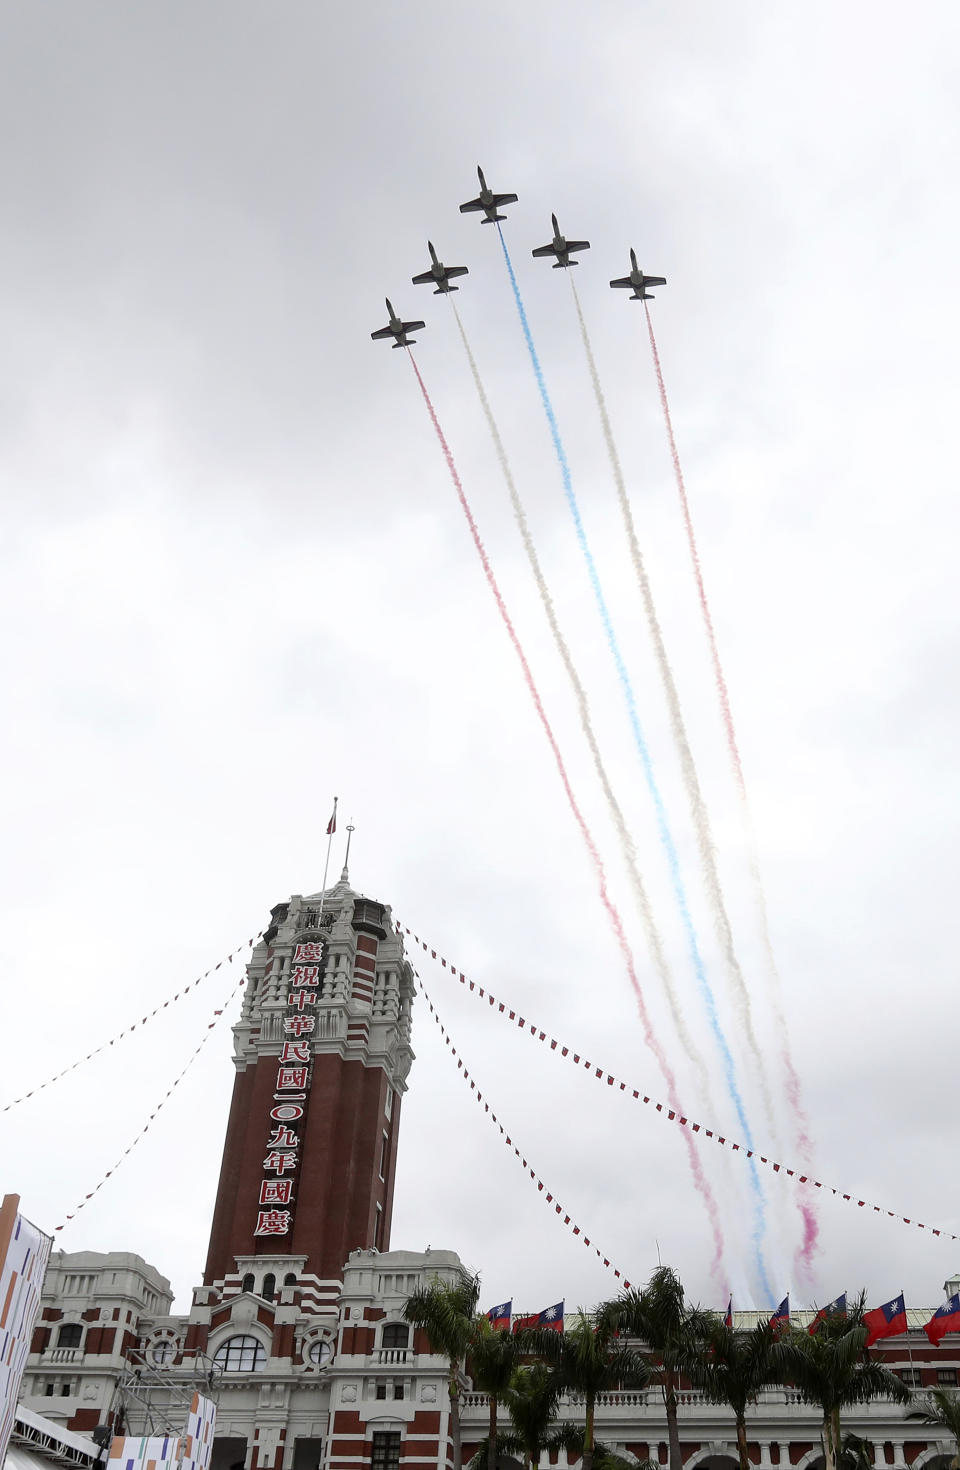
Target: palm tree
446	1310
733	1369
832	1368
494	1355
531	1401
940	1407
672	1331
589	1358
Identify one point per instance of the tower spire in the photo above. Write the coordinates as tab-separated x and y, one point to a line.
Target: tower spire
345	876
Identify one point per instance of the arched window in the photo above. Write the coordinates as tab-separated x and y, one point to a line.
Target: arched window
243	1354
395	1335
269	1287
162	1353
290	1279
247	1283
70	1335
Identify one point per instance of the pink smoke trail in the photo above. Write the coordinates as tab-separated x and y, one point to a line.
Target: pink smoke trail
696	1168
811	1227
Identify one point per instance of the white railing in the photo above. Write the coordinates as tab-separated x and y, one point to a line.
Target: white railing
65	1355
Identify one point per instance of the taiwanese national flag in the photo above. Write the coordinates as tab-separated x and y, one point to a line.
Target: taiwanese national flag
550	1317
836	1308
945	1319
499	1317
886	1321
728	1316
780	1321
332	824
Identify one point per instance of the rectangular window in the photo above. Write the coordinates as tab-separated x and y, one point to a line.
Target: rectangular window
384	1151
378	1229
386	1452
398	1390
381	1390
389	1104
910	1376
947	1377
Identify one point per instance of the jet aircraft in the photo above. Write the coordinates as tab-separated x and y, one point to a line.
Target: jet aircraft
561	248
398	329
488	202
440	275
639	281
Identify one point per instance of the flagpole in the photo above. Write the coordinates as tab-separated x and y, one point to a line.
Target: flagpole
331	828
909	1348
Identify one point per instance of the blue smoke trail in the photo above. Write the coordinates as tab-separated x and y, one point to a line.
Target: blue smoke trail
663	827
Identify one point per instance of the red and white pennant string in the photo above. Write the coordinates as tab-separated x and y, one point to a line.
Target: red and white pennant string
128	1031
548	1198
170	1090
601	1075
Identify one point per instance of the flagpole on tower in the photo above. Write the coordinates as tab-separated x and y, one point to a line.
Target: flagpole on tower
331	828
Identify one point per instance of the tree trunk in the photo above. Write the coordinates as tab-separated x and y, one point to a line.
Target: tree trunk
829	1444
492	1435
454	1389
588	1435
673	1428
742	1442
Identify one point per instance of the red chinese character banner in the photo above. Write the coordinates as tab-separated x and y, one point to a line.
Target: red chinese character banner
290	1092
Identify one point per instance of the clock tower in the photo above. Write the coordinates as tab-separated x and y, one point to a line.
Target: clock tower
322	1052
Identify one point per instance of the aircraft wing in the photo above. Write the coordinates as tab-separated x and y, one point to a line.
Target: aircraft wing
413	326
654	280
544	250
472	204
623	281
578	244
501	199
382	334
425	279
458	270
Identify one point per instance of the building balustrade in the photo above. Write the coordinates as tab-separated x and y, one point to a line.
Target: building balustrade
693	1403
392	1355
63	1355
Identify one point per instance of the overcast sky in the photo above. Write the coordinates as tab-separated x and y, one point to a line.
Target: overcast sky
236	581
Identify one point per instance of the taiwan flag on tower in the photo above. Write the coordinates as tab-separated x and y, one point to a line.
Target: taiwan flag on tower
886	1321
945	1319
728	1315
499	1317
780	1321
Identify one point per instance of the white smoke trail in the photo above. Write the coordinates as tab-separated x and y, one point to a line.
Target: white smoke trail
628	847
811	1229
701	819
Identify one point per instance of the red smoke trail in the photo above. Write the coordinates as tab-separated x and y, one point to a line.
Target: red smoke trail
811	1228
612	913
